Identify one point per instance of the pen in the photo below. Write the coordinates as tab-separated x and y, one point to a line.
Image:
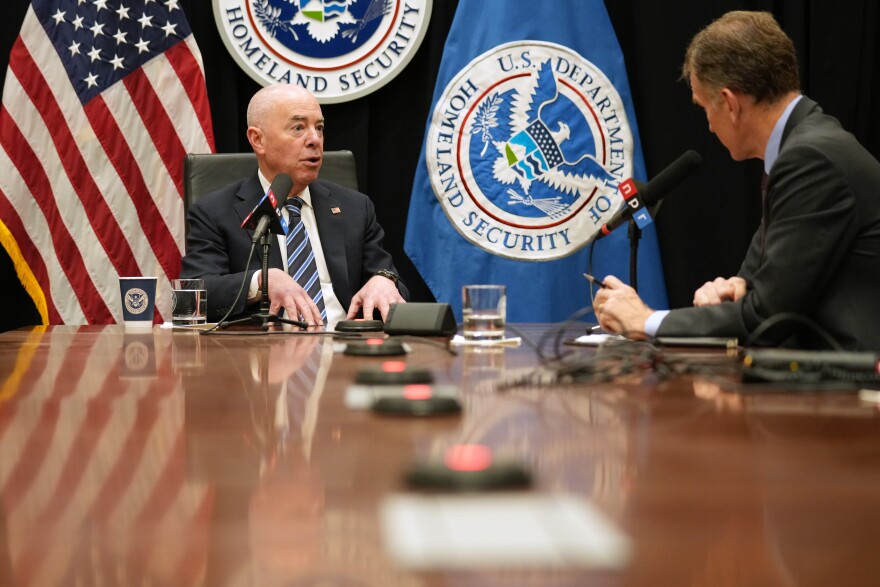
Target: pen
592	279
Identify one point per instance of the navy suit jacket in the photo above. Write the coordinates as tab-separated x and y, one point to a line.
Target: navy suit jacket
217	247
817	251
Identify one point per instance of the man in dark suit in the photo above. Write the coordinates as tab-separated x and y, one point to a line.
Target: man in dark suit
286	131
817	250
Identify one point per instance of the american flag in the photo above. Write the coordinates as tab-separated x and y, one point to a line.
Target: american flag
102	100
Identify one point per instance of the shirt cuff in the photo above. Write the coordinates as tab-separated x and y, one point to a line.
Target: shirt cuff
652	324
254	289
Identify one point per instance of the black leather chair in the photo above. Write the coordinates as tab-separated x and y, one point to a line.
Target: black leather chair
204	173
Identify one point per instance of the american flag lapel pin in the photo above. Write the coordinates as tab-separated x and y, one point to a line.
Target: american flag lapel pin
335	210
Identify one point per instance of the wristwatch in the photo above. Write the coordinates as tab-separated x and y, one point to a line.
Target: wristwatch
389	274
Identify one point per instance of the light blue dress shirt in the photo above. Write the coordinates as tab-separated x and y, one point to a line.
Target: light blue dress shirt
771	153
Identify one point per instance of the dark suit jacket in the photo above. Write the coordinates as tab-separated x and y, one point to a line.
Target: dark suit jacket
817	252
217	247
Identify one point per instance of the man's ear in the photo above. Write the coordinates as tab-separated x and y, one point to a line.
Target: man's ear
731	102
256	139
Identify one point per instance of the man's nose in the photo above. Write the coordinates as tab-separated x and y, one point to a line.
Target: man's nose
314	135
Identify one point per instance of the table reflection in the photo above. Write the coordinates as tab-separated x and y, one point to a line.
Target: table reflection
174	458
813	531
92	466
138	356
571	442
188	350
304	525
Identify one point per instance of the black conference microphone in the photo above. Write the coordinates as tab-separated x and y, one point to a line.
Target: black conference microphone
267	213
637	196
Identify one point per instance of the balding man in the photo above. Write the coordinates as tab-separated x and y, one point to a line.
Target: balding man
286	131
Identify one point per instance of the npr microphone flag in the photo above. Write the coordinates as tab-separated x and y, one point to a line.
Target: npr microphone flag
101	102
532	128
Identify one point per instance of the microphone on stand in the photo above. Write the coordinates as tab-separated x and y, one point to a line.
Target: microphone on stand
638	196
266	215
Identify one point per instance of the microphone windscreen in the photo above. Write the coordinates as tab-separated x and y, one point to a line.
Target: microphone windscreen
280	189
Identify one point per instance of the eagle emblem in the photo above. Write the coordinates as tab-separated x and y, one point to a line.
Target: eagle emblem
323	20
525	149
136	300
534	150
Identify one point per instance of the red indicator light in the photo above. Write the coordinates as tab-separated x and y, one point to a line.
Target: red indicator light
468	457
374	341
417	391
394	366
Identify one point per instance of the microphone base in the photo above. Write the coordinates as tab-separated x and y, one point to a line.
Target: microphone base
265	321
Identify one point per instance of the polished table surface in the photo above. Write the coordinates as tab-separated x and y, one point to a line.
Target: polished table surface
170	458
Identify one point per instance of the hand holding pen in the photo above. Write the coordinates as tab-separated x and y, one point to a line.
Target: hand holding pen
619	309
593	280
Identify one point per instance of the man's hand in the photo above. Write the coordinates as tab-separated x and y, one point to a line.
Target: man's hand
620	309
720	290
379	292
285	292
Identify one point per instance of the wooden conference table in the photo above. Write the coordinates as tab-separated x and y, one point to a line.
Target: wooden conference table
168	458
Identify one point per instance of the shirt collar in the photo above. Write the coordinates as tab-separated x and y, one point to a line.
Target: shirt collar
771	153
304	195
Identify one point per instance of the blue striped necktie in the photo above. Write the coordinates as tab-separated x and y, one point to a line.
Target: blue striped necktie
300	256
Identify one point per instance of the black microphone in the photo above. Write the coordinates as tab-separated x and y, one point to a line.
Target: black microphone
267	213
637	196
865	362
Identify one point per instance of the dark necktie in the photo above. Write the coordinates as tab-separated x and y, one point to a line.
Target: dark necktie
301	258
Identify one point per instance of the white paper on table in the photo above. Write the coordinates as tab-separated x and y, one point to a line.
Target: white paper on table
480	531
459	340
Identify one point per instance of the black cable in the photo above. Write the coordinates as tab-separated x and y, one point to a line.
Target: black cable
529	342
331	333
783	317
244	281
616	358
558	333
590	271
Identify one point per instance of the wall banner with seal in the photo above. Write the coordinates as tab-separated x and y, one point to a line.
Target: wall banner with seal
532	130
339	50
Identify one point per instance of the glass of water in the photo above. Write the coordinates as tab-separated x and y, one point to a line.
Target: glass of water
189	302
484	308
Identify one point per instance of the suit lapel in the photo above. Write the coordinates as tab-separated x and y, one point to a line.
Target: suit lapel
329	216
249	195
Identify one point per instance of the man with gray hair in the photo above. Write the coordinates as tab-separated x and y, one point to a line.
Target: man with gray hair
816	253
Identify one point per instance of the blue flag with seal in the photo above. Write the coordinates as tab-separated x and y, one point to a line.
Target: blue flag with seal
531	131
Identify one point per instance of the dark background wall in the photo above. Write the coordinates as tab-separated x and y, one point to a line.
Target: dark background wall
704	226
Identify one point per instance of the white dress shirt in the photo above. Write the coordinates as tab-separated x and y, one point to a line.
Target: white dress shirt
335	311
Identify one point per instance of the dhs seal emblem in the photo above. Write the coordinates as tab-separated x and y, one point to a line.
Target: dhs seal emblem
338	49
525	150
136	300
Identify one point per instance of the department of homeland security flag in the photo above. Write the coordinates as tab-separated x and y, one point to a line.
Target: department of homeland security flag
101	101
532	129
